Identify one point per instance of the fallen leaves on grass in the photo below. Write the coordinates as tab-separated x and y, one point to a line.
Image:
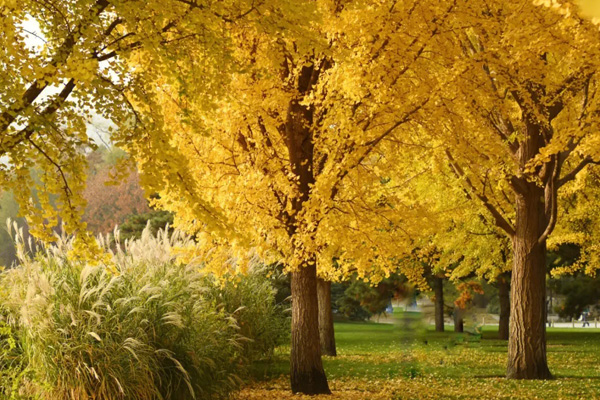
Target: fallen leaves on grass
430	388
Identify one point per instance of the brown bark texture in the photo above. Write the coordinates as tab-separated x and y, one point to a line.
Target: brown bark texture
307	374
527	334
326	331
438	287
504	297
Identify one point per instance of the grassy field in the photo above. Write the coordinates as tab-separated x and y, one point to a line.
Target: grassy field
408	361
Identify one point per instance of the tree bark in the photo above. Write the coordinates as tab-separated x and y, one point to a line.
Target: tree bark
326	331
307	374
504	296
527	340
458	320
527	333
438	287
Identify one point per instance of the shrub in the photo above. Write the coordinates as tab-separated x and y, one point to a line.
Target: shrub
251	300
143	326
358	300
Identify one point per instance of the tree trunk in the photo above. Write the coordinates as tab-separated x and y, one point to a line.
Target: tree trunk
533	208
307	374
527	340
504	295
458	320
326	331
438	287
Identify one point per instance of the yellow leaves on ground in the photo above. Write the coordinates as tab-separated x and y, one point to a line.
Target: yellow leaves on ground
406	370
431	388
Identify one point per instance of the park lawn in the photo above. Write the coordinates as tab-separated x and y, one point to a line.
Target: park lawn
386	361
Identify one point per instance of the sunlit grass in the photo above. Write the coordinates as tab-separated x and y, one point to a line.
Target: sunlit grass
387	361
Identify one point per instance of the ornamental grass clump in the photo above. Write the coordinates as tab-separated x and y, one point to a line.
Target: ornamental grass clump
138	326
251	299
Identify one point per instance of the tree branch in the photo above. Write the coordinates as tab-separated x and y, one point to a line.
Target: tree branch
37	86
25	133
195	4
551	197
499	219
571	175
370	145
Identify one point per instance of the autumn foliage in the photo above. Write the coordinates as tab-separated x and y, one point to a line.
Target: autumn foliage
110	202
306	131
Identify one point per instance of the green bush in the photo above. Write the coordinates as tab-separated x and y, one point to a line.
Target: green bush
251	300
358	300
141	327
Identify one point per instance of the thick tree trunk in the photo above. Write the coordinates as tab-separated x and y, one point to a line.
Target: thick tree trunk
504	296
326	332
438	287
533	207
527	341
458	320
307	374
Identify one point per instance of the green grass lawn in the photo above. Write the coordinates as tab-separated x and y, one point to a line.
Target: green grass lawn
409	361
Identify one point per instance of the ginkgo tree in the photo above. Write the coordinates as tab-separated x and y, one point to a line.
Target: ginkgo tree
97	56
264	125
268	162
516	120
520	122
39	126
64	63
